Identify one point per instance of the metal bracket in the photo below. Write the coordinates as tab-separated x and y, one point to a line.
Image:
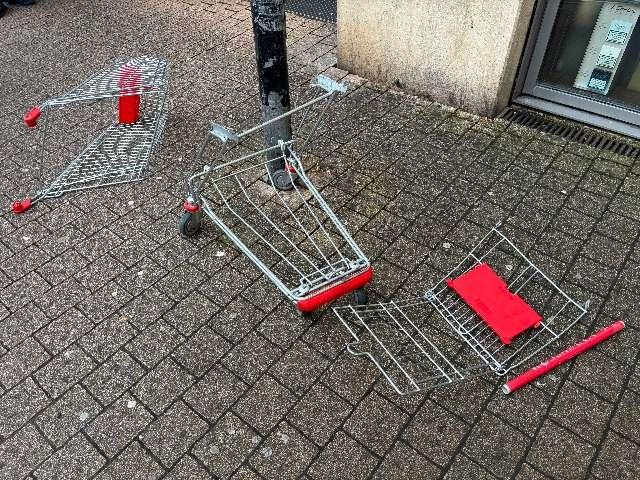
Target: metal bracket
223	134
329	85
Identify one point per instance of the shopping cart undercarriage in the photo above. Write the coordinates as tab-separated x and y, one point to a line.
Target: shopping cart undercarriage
277	217
463	326
120	152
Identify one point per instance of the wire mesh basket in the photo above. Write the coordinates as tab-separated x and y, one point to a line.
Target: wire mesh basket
120	151
437	339
278	218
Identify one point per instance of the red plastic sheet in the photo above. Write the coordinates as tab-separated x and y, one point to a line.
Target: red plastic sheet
506	313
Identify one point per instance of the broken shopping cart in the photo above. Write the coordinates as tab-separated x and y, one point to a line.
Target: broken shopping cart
292	236
120	152
491	313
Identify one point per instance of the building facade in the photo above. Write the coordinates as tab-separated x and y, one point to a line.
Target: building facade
575	58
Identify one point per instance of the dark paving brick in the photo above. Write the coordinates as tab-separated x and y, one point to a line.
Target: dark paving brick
215	392
99	272
525	411
599	373
173	433
252	357
375	423
77	459
617	459
16	327
104	302
61	298
495	445
64	330
71	412
22	452
201	351
181	281
134	463
162	385
560	453
627	417
265	404
226	445
236	320
283	326
319	414
117	425
581	412
434	433
299	367
155	343
404	463
29	288
283	454
463	468
64	370
146	308
188	469
342	458
107	337
62	267
191	313
113	377
350	377
20	362
19	405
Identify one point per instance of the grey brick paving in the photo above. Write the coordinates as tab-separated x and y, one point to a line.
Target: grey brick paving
127	352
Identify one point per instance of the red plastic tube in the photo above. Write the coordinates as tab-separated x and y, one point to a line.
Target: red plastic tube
31	117
129	105
563	357
314	302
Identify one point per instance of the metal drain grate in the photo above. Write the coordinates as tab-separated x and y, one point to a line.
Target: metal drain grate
572	132
323	10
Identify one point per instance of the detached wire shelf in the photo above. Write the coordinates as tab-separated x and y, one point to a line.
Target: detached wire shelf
120	152
437	339
276	216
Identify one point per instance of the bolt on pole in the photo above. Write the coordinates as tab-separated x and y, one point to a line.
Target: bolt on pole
270	36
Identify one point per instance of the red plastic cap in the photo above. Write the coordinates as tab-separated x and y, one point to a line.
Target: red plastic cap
20	206
329	294
32	116
191	207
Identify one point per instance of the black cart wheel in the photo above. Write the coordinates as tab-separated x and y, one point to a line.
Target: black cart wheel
360	296
190	223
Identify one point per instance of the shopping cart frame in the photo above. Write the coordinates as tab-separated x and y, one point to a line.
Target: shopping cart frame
324	285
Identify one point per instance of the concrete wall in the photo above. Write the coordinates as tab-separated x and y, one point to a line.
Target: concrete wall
463	53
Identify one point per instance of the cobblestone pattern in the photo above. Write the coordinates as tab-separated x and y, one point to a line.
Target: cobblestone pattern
127	352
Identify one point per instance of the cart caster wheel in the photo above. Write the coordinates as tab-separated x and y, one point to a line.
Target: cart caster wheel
360	296
282	180
190	223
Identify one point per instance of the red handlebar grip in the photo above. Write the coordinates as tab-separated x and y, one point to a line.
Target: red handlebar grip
32	116
563	357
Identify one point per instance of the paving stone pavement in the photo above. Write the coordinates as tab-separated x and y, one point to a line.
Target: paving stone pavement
122	358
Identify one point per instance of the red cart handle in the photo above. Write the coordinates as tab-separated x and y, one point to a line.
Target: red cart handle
563	357
32	116
312	303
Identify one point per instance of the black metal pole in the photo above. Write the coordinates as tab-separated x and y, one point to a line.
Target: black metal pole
270	36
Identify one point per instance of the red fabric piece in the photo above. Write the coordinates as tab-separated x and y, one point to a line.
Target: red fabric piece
129	105
506	313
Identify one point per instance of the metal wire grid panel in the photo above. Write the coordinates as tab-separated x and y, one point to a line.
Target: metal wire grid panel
121	152
292	236
411	341
323	10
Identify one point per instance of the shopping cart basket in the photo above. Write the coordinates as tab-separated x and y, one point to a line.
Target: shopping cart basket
292	236
459	328
120	152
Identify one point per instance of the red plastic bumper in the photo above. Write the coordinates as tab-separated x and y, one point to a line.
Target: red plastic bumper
20	206
329	294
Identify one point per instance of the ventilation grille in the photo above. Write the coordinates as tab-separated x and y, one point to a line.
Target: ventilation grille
572	132
323	10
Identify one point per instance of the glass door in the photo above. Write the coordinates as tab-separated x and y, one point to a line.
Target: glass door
587	57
